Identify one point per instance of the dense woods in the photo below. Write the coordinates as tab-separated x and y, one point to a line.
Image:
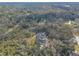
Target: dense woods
37	30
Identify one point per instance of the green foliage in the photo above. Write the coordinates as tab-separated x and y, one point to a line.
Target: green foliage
21	40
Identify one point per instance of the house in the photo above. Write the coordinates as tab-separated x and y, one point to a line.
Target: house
41	39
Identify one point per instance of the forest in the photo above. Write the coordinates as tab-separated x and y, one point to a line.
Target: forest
39	29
